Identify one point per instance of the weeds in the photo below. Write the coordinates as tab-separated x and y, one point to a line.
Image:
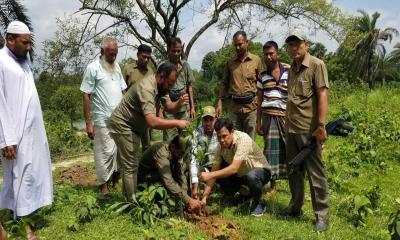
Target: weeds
85	211
148	205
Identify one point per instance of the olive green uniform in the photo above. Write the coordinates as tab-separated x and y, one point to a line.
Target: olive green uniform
302	121
158	165
240	79
184	78
132	74
127	125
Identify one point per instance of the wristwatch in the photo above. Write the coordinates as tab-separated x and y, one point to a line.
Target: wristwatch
321	124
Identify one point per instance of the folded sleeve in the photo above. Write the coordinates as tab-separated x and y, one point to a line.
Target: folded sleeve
89	80
147	99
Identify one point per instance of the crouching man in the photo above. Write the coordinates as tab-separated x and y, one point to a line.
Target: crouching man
163	162
245	165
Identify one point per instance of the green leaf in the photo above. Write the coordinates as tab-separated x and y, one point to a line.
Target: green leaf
123	208
361	201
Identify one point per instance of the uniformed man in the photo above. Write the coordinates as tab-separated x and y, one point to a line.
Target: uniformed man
136	113
163	162
136	71
182	86
238	161
239	85
307	108
133	72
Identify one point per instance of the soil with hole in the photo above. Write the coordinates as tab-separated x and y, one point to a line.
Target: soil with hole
214	226
78	175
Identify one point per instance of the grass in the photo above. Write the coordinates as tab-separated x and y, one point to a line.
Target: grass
345	180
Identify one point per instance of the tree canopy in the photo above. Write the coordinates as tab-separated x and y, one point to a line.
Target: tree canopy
155	22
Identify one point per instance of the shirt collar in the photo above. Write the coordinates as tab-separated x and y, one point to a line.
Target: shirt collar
135	65
235	139
248	57
305	62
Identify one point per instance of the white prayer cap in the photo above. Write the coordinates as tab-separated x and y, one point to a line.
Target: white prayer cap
17	27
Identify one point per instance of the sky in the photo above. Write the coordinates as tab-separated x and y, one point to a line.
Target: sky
43	14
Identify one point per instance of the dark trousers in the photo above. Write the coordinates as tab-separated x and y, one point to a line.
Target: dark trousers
314	168
255	179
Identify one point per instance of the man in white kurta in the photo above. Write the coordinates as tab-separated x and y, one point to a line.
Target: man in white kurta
27	178
103	84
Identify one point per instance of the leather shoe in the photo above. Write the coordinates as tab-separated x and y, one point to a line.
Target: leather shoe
321	226
285	212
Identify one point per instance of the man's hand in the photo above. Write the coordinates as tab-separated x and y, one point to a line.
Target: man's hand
194	205
195	191
205	176
90	130
320	134
218	109
182	124
183	100
259	129
203	202
10	152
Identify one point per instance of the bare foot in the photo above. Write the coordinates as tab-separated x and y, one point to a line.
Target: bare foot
3	233
115	180
30	234
104	189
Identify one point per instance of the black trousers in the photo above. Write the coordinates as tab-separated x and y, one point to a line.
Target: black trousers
255	179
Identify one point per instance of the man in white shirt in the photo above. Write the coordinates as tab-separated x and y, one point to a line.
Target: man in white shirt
103	84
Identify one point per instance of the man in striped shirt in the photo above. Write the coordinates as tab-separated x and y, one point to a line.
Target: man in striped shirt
271	109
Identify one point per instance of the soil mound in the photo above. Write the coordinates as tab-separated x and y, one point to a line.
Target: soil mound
78	175
214	226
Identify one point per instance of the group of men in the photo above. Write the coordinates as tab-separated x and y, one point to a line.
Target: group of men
286	104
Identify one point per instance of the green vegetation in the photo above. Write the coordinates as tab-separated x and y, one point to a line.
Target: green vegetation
363	176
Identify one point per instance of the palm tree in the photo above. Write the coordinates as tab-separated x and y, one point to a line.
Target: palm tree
395	54
388	68
370	45
12	10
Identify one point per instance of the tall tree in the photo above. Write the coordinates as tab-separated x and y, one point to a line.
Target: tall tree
155	22
71	50
12	10
370	45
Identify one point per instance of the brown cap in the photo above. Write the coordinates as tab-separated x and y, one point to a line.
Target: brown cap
208	111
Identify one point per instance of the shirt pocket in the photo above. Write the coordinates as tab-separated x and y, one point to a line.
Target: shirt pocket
250	75
303	87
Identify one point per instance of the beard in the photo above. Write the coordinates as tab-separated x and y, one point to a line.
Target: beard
162	92
110	68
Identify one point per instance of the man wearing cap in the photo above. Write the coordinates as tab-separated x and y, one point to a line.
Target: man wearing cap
307	109
163	162
203	144
27	178
136	71
239	85
103	85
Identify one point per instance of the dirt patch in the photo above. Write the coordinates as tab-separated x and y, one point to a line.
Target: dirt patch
78	175
214	226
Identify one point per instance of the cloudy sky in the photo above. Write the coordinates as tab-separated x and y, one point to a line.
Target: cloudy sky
44	12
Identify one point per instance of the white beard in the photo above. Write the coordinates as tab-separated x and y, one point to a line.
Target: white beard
110	68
